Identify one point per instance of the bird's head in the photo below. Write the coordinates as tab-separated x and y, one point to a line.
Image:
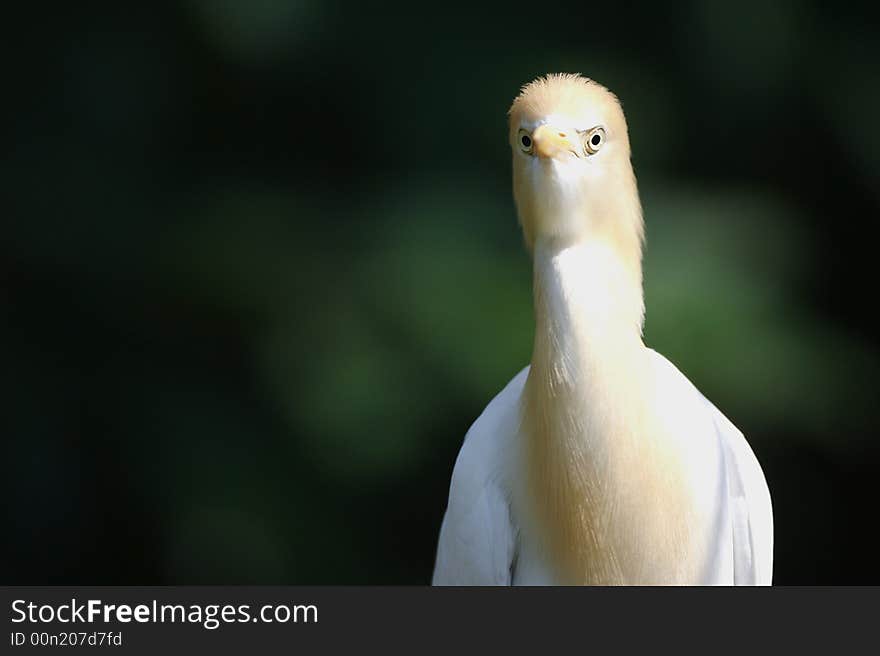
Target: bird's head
572	177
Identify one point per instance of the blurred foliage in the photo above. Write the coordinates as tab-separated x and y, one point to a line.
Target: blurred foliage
260	269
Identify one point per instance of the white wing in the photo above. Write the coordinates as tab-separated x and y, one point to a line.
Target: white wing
751	512
477	538
744	536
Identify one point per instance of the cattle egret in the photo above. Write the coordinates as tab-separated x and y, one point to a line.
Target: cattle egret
600	463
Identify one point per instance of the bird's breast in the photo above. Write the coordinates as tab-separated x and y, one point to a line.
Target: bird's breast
608	495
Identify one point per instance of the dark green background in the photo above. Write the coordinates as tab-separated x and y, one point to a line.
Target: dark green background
260	269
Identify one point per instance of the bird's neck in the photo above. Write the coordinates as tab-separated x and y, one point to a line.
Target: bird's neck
588	311
583	385
583	401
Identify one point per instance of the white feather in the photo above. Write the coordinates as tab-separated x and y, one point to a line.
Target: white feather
482	541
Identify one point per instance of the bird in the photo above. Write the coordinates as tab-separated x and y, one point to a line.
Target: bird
599	463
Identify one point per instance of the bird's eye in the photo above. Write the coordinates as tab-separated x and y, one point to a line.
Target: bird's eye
525	141
593	140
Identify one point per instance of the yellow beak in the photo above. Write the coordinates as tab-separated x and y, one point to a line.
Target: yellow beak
551	142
